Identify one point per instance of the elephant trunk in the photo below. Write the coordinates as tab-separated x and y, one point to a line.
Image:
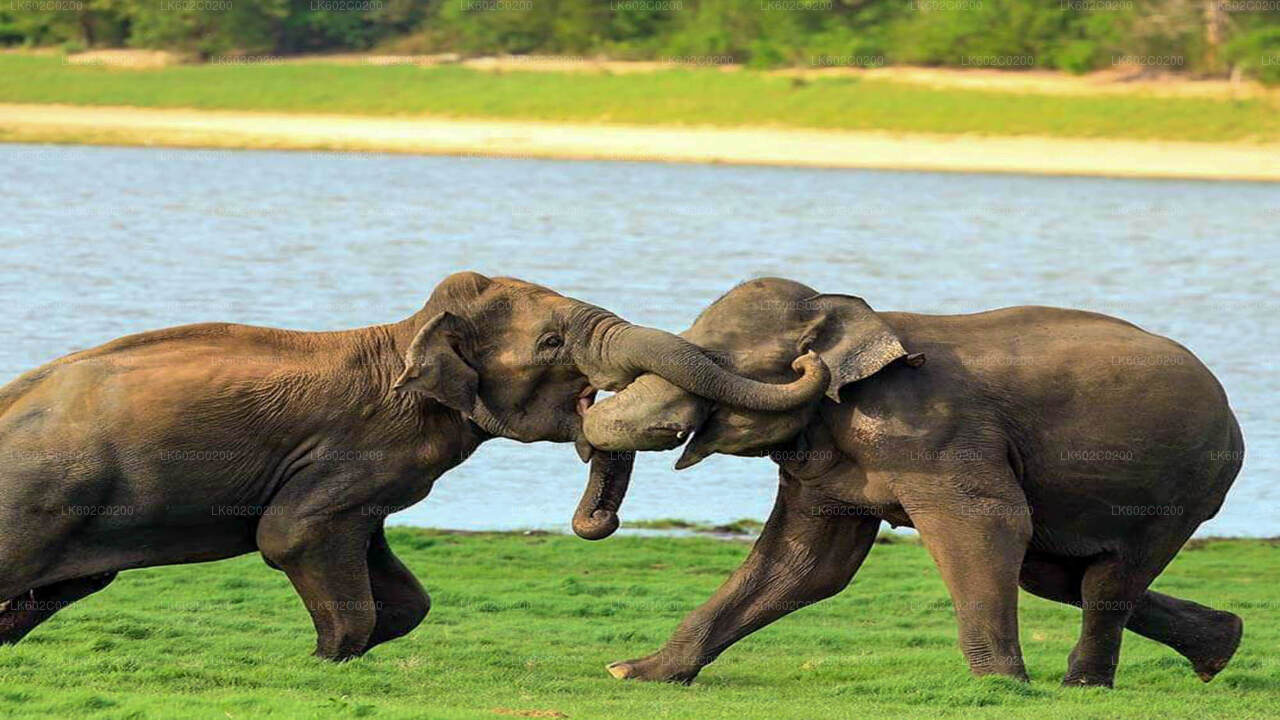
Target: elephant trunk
686	366
597	515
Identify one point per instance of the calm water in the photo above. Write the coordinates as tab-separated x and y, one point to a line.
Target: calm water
100	242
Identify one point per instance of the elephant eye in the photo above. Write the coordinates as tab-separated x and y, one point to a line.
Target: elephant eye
552	341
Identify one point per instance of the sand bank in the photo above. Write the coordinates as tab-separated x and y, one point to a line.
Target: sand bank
754	146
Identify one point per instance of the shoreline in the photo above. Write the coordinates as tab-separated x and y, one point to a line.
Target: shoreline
870	150
648	529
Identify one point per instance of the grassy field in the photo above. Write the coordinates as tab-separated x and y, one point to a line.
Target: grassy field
524	625
676	97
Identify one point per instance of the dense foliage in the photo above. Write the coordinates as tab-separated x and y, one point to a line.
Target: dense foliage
1202	36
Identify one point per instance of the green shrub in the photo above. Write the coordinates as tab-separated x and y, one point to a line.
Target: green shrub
1076	36
764	54
1258	54
1077	57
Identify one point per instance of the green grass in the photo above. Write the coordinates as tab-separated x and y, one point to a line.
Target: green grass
682	97
527	623
745	526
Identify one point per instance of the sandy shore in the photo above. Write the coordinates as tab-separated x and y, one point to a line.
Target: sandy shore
756	146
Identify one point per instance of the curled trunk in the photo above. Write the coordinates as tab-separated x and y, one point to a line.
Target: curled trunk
686	366
597	515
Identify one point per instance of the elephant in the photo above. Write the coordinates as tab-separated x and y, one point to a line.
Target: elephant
208	441
1063	451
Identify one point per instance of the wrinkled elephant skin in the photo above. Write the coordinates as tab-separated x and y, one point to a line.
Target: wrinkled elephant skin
208	441
1062	451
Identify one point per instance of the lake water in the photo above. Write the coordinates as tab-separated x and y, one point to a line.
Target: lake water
100	242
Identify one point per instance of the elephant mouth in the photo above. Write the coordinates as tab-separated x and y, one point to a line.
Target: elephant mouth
698	446
668	436
585	399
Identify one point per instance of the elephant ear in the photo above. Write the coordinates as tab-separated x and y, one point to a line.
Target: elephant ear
851	338
433	367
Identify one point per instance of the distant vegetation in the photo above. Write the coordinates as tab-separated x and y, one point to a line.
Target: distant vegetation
1196	36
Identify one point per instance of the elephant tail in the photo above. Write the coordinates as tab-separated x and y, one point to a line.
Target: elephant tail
1232	459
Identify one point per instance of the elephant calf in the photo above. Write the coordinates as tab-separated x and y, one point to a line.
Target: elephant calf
1066	452
208	441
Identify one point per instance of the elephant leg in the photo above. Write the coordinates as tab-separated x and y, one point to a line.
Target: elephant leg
399	599
1206	637
1110	588
979	554
801	557
326	560
20	615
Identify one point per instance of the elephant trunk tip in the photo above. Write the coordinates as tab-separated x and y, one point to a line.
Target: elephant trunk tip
597	526
596	516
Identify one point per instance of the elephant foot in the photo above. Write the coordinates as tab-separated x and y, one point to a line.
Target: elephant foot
1017	672
654	668
1085	679
1083	673
1210	656
337	655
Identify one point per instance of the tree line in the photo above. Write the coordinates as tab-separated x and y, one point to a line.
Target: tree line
1205	37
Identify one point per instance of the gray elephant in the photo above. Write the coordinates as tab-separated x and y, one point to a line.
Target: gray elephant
208	441
1064	451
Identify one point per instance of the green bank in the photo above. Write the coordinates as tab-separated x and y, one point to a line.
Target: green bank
702	97
523	625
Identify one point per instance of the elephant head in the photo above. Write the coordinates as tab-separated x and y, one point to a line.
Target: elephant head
754	330
523	362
